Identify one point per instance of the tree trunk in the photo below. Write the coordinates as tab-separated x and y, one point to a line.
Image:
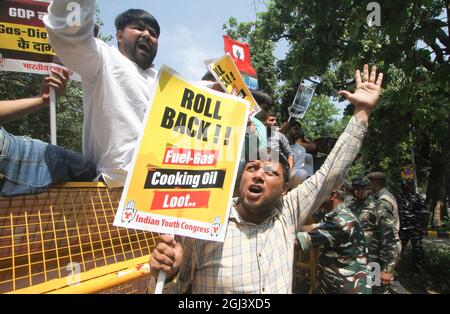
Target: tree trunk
446	155
435	189
444	211
437	215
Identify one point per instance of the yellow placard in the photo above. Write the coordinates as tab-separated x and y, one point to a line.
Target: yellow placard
227	74
407	172
185	166
24	38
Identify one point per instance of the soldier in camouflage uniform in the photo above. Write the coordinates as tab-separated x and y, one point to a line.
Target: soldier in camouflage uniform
377	220
377	183
343	257
413	217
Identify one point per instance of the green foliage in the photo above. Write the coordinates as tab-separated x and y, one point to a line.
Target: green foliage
69	113
411	115
356	170
329	39
444	228
327	32
70	117
320	119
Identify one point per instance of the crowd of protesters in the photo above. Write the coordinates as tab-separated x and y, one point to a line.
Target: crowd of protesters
276	192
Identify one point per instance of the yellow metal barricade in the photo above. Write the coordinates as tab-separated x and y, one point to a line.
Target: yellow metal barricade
306	269
305	266
63	241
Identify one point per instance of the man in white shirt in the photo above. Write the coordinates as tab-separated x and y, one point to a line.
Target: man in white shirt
293	131
116	82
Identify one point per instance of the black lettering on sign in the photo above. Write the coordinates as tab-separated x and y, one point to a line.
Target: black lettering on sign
218	70
193	125
200	104
168	118
187	99
184	179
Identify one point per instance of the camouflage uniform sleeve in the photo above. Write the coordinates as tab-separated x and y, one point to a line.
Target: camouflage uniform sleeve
420	204
421	211
387	204
301	202
325	235
386	226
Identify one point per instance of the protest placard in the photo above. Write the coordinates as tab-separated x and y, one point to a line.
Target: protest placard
24	45
407	172
240	52
185	165
227	74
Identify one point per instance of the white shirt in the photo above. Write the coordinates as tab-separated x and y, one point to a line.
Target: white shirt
116	90
299	156
309	164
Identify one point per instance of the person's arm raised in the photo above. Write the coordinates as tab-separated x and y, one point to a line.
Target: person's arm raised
70	27
367	92
304	200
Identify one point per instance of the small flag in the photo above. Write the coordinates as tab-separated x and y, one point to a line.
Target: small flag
240	53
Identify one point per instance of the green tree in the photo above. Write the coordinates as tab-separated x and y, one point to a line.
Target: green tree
329	39
321	119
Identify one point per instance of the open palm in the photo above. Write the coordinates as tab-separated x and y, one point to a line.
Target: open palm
367	90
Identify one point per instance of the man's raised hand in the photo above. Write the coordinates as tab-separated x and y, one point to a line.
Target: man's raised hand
367	92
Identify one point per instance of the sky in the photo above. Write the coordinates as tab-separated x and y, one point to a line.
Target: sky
191	30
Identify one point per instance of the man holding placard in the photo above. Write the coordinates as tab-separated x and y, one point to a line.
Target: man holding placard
258	251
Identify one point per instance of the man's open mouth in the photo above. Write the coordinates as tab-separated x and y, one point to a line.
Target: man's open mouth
144	47
255	189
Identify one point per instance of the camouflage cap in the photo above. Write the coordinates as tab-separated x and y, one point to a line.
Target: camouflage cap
361	182
376	176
